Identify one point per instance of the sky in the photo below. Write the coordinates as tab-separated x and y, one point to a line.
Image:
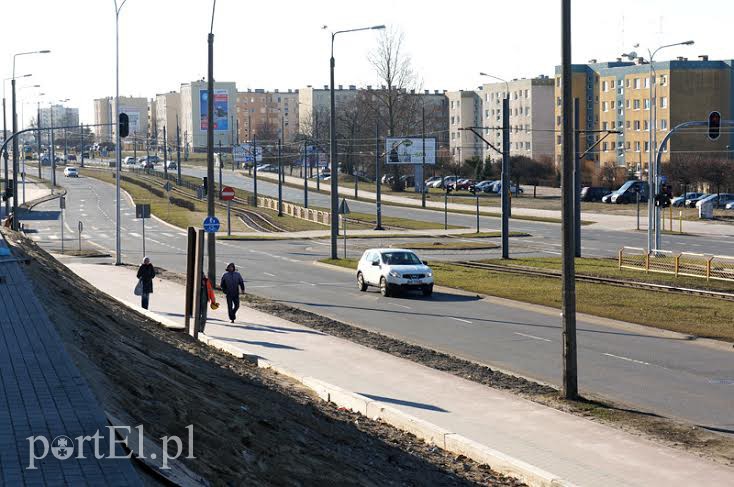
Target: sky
269	45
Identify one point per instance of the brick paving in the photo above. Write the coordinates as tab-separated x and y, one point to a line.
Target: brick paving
44	394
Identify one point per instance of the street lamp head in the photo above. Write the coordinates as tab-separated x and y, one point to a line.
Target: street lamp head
377	27
45	51
630	55
689	43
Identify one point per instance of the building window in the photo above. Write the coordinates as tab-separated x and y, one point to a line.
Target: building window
664	80
663	102
558	120
527	94
637	125
636	104
604	86
558	139
604	107
647	146
627	82
663	124
605	126
628	124
647	82
620	111
627	104
645	125
637	83
627	146
612	104
647	103
604	147
637	146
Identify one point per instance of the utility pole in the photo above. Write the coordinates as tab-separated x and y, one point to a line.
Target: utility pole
505	177
178	152
81	145
211	236
165	154
221	163
576	178
568	309
135	146
280	180
378	176
305	174
254	170
53	150
332	159
38	119
423	162
5	154
15	156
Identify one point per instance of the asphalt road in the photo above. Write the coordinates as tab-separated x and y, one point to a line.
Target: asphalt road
668	376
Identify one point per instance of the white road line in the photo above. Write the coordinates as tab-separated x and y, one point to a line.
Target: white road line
309	283
626	359
53	237
459	319
551	252
269	274
136	235
408	307
532	336
102	235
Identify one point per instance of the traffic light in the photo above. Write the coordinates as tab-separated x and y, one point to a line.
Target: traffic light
124	125
206	185
714	125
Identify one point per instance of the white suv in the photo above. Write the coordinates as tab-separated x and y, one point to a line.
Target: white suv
394	270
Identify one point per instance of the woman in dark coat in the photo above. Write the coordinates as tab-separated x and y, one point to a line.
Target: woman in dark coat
146	273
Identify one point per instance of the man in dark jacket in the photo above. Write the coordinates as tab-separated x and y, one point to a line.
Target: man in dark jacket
146	273
231	284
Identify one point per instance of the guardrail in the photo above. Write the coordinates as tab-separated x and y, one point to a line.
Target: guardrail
720	267
315	216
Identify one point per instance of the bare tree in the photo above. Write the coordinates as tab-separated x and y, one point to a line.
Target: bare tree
396	103
684	170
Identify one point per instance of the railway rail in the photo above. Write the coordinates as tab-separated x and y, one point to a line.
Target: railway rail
647	286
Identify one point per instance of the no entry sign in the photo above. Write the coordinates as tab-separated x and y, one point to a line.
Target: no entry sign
227	193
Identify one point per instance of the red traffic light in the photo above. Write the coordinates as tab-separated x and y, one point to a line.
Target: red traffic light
714	125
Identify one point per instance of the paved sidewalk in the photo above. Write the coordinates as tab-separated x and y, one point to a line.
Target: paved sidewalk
582	452
602	220
43	394
32	191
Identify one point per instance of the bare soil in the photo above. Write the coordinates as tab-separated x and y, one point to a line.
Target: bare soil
251	426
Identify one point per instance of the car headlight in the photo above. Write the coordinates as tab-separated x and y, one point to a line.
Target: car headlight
394	274
429	274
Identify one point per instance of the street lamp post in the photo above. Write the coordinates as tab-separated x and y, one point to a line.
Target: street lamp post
333	156
653	176
211	237
5	136
505	176
118	153
15	139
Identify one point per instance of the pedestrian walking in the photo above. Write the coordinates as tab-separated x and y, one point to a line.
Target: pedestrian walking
146	273
231	284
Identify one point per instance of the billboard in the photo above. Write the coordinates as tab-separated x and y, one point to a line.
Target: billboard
221	109
409	150
243	153
133	115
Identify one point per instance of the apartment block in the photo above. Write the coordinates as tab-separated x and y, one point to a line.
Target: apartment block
268	115
465	110
167	108
617	96
104	113
193	114
531	116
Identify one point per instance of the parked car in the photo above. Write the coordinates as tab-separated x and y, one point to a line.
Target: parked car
592	193
71	157
464	184
691	202
496	187
432	180
484	186
387	179
436	183
627	193
129	161
679	201
394	270
719	200
171	165
71	172
154	159
729	206
408	181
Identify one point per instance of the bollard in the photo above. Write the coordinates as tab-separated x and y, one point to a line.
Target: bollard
677	264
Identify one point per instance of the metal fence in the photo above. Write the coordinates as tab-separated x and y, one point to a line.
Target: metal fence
690	264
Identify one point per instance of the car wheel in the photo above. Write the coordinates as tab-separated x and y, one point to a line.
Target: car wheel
428	290
384	287
360	282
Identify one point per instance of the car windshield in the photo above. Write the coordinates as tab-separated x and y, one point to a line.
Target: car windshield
400	258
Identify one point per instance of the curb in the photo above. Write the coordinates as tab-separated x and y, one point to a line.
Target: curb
424	430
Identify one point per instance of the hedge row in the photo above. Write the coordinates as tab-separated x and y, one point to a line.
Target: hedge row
156	191
183	203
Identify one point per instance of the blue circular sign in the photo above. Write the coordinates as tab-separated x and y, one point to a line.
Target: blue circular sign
211	224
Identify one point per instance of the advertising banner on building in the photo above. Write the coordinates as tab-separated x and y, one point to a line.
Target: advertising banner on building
409	150
221	109
133	115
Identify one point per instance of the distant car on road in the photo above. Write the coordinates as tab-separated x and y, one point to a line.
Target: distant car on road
171	165
719	200
691	202
71	172
592	193
428	183
627	193
129	161
394	270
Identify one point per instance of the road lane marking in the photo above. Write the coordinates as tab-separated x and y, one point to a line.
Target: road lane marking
136	235
309	283
269	274
626	359
532	336
459	319
408	307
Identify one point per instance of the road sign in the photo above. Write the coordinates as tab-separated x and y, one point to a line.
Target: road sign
167	186
142	210
227	193
344	207
62	203
211	224
81	227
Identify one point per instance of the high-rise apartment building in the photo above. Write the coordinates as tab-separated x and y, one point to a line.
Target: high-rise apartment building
531	116
104	113
465	110
268	115
615	96
167	108
194	120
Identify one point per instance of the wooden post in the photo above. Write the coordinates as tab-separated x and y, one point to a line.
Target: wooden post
677	264
647	262
198	270
708	268
620	258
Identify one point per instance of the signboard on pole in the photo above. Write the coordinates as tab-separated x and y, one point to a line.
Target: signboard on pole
142	210
167	186
221	109
409	150
244	153
211	224
227	193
